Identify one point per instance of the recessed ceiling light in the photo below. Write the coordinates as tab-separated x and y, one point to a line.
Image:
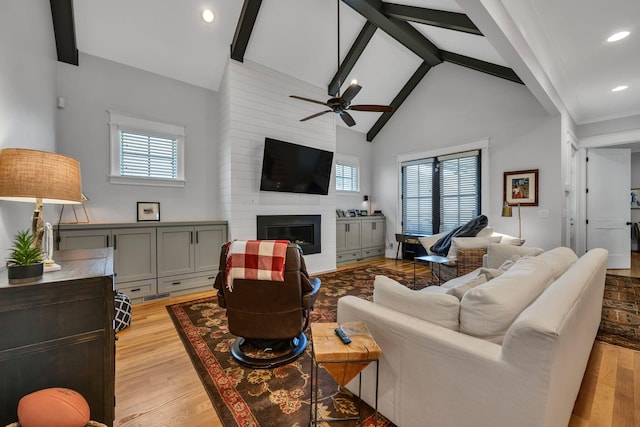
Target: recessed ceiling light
619	88
354	82
208	16
618	36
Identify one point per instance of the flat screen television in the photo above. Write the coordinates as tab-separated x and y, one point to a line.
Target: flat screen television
294	168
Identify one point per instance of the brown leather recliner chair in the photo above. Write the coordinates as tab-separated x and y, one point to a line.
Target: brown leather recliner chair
269	316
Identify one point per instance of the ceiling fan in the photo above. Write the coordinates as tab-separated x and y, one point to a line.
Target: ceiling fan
341	104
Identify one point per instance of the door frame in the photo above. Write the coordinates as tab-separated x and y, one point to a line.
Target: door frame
608	140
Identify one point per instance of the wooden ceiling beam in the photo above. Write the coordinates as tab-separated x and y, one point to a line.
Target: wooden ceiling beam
400	30
406	90
438	18
64	31
365	35
248	15
482	66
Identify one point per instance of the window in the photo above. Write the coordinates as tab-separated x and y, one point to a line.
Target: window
441	193
144	152
347	174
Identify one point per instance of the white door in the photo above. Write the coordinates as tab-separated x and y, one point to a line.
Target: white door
608	204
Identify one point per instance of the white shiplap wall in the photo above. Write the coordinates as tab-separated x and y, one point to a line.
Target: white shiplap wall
255	104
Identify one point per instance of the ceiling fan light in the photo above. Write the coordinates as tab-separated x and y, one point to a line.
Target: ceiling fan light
208	16
618	36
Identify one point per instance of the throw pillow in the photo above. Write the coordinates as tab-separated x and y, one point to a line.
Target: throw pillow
497	253
486	232
470	229
439	309
460	290
488	310
428	241
505	239
469	243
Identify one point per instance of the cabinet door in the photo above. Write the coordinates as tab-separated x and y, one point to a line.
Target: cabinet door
354	231
134	252
84	239
373	233
176	254
341	236
209	240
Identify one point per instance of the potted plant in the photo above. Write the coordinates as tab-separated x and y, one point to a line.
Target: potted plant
25	263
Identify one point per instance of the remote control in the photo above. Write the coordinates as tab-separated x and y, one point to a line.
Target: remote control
343	336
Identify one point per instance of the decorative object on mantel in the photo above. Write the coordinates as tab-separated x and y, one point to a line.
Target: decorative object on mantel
39	177
25	262
148	211
521	187
508	212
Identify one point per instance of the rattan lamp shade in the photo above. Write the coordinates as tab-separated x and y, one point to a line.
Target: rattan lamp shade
28	175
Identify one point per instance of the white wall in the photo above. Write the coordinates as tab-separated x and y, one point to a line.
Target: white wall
98	85
27	96
355	144
454	105
255	103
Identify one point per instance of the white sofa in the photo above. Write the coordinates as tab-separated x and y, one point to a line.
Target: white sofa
432	375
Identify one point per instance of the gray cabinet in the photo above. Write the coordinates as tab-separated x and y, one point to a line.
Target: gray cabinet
154	260
359	238
188	257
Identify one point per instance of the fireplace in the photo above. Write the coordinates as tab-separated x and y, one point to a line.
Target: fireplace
301	229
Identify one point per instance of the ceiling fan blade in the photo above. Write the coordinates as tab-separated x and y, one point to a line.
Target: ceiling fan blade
346	117
350	93
315	115
308	100
375	108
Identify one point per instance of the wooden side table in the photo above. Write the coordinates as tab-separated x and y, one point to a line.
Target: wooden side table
342	361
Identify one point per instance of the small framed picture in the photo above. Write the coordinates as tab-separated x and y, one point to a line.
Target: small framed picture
363	212
521	187
148	211
339	213
635	198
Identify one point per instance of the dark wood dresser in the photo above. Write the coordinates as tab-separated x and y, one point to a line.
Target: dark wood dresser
58	332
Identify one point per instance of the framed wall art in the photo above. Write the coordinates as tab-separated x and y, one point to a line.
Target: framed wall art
521	187
148	211
635	198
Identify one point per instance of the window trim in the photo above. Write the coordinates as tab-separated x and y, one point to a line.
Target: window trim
122	121
481	144
347	160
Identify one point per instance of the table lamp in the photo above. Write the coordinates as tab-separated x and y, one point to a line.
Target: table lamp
39	177
507	212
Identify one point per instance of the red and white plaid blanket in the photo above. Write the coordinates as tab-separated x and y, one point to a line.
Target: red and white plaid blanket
256	259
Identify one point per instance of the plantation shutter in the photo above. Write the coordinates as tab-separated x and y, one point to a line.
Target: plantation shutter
417	197
148	156
346	177
459	189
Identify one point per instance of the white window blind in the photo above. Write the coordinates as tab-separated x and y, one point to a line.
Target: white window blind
346	177
148	156
439	194
145	152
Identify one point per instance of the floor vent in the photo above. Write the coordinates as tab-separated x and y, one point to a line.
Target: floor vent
152	297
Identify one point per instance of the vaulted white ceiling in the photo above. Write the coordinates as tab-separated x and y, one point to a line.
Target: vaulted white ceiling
299	38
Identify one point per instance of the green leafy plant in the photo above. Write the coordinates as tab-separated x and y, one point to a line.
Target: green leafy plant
23	252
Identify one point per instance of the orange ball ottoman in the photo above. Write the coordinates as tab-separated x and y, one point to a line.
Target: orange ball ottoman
53	407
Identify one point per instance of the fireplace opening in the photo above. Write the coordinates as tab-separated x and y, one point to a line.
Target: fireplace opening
301	229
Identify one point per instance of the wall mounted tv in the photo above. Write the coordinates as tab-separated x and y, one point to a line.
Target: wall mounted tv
294	168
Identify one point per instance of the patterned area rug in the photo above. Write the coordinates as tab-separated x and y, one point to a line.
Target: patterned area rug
620	324
280	396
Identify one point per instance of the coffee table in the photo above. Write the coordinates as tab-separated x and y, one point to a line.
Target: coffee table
342	361
431	260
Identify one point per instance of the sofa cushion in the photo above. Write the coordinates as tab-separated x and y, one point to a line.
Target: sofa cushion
488	310
506	239
497	253
559	259
460	290
492	273
440	309
458	243
486	232
428	241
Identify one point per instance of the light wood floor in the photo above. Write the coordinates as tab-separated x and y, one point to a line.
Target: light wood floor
156	384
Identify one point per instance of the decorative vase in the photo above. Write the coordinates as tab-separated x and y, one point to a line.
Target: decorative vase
24	273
